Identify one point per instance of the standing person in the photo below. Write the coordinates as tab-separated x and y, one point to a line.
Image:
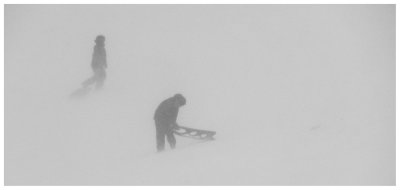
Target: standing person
165	120
99	64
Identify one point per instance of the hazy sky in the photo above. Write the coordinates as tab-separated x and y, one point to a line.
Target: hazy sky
244	69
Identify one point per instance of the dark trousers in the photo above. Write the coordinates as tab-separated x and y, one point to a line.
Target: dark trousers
98	77
164	130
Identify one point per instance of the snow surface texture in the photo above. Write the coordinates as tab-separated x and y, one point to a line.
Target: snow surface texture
298	95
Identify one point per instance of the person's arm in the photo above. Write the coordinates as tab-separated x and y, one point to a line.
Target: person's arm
172	116
105	59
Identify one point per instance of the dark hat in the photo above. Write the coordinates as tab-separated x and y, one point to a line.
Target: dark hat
100	38
180	98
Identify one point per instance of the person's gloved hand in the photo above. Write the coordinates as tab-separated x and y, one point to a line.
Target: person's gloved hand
173	126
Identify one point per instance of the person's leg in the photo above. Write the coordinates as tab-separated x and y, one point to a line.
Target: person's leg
171	139
160	136
100	77
89	81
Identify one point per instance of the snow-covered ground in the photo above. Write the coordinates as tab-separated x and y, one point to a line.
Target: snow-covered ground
298	95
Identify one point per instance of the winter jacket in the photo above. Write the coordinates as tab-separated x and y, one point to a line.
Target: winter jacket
99	58
166	113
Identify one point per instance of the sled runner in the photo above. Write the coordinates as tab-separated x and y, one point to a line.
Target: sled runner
194	133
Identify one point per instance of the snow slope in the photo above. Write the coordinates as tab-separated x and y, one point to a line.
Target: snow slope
298	95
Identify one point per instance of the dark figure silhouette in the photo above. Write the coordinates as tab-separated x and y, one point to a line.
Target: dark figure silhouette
165	120
99	64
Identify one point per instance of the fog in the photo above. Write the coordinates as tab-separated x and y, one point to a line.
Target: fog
298	94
